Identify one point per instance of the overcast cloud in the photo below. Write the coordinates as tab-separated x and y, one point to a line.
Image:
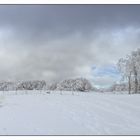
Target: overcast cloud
55	42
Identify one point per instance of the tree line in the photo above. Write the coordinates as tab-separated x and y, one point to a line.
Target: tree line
77	84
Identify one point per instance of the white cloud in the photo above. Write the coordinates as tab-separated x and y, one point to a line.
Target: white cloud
73	55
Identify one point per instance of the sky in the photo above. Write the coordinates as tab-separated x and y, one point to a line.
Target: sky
57	42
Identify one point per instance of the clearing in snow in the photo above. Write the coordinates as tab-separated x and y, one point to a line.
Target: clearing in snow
40	113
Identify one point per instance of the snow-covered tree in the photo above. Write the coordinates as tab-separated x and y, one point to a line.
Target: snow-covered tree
78	84
52	86
22	85
130	69
31	85
125	68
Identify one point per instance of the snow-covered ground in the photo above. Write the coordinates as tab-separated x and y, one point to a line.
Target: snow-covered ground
39	113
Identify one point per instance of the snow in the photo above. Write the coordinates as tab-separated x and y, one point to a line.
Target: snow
84	113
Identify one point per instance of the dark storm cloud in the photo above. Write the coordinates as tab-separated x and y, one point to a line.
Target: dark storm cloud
53	42
68	17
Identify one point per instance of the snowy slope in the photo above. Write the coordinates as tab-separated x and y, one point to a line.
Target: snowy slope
38	113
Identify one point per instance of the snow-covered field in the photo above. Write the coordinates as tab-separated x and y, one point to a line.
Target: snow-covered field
39	113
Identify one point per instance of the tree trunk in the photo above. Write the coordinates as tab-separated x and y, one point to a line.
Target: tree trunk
129	84
136	81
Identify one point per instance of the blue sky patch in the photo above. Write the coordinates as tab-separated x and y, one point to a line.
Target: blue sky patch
109	70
